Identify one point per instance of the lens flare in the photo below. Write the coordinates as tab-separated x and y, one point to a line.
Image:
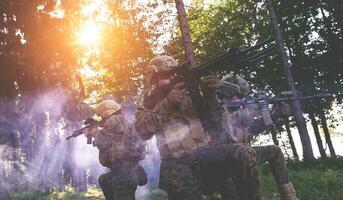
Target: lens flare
89	34
88	72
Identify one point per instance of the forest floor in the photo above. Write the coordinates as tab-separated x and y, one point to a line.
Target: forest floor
317	180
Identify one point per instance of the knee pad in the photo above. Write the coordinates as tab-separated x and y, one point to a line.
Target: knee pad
105	178
139	172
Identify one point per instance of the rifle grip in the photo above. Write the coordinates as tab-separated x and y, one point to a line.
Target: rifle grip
89	139
267	118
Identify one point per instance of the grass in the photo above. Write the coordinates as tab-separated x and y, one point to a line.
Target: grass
320	179
93	193
316	180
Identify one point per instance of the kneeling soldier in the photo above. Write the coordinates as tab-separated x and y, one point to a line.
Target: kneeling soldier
120	149
243	123
189	161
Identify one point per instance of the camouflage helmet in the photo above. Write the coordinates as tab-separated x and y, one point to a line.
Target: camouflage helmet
231	85
107	108
159	64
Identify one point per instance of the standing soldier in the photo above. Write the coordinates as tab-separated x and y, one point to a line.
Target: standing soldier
120	149
243	123
185	147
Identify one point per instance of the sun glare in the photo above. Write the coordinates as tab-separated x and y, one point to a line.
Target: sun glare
89	34
97	14
95	17
88	72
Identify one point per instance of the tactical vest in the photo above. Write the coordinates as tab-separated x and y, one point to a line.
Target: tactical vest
182	133
120	143
235	129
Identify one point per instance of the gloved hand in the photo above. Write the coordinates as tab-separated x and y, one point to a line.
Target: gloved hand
176	95
210	81
282	110
91	132
208	86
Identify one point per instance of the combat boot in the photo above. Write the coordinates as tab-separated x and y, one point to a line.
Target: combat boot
287	192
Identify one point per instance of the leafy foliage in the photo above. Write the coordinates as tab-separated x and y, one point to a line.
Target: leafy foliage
308	29
32	194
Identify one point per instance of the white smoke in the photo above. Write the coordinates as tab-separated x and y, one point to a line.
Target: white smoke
151	163
50	151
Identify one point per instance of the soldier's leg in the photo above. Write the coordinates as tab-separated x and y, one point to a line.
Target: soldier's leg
248	179
178	180
105	182
228	190
239	162
274	156
123	188
126	178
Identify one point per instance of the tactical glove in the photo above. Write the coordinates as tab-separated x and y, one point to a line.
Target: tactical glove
172	100
176	95
210	81
282	110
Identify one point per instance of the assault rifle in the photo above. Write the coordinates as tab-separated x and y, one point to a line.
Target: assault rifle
190	75
90	124
263	102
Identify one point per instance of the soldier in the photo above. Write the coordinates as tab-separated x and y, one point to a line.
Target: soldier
243	123
187	156
120	149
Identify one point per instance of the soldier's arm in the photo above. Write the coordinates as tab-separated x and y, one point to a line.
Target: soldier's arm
104	138
114	125
209	85
257	127
149	121
253	120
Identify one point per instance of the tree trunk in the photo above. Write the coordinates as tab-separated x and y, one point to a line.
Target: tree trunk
83	181
334	44
285	149
82	92
317	134
186	36
291	141
274	136
327	133
298	113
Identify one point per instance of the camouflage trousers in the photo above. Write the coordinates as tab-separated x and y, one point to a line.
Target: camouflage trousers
271	154
274	156
189	177
122	181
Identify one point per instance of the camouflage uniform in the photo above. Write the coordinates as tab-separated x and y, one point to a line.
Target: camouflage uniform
190	164
240	126
186	174
270	153
120	149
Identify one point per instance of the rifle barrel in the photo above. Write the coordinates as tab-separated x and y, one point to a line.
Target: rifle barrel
301	98
274	100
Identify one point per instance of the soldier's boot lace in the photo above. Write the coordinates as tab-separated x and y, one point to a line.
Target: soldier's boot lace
287	192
